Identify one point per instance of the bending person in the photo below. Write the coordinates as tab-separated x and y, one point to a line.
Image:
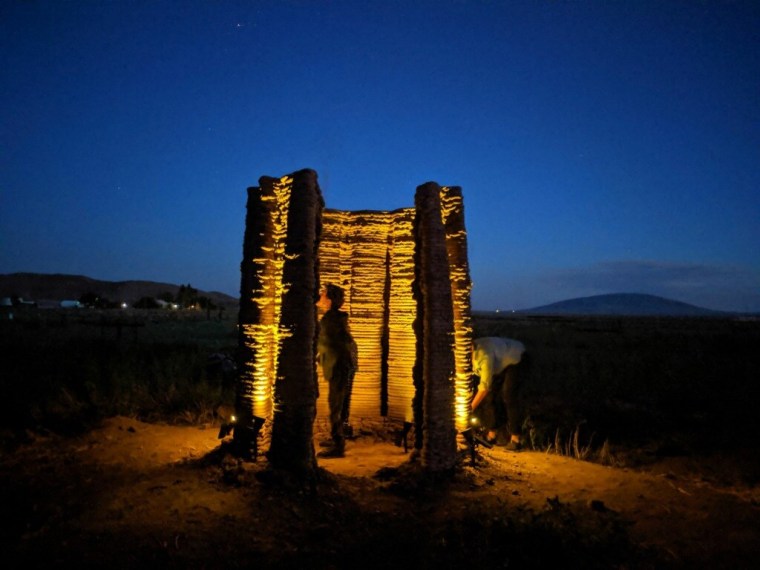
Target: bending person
499	363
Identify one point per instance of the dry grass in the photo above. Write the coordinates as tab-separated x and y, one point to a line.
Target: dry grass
571	447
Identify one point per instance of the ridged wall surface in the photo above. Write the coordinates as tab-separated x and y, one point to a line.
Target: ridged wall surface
367	253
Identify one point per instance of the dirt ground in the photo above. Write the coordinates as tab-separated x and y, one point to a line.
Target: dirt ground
129	493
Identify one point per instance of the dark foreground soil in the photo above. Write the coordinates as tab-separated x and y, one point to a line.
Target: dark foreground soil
129	494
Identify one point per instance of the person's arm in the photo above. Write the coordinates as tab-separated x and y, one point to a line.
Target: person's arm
485	374
479	395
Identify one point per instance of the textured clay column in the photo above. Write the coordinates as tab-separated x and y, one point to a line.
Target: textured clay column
256	314
461	287
437	355
295	392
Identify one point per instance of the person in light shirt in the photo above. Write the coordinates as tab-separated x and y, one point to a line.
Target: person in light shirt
499	363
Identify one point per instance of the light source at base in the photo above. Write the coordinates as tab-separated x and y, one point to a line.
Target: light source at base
246	437
473	439
226	428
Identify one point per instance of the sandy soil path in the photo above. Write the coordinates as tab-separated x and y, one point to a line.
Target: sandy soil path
155	485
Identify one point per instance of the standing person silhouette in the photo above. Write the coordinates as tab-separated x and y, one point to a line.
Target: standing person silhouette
337	355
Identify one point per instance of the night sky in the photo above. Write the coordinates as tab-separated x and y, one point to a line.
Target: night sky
601	146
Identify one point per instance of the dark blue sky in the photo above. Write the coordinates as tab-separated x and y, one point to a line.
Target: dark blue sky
601	146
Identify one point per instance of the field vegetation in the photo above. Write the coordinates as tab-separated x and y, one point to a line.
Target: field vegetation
63	370
630	390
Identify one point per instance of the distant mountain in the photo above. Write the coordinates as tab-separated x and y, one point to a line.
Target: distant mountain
625	304
43	287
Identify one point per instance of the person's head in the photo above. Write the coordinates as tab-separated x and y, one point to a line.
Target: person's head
332	297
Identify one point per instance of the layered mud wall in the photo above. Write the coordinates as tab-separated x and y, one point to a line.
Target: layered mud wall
370	255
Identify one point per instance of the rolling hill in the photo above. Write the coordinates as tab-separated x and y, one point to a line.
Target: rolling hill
43	287
624	304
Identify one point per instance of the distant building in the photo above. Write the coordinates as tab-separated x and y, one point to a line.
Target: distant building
69	304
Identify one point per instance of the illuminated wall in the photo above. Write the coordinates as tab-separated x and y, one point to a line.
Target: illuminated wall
371	254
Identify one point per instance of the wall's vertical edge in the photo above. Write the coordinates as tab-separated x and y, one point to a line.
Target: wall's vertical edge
439	433
452	208
385	332
347	245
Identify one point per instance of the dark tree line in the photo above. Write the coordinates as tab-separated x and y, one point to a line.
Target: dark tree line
186	297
